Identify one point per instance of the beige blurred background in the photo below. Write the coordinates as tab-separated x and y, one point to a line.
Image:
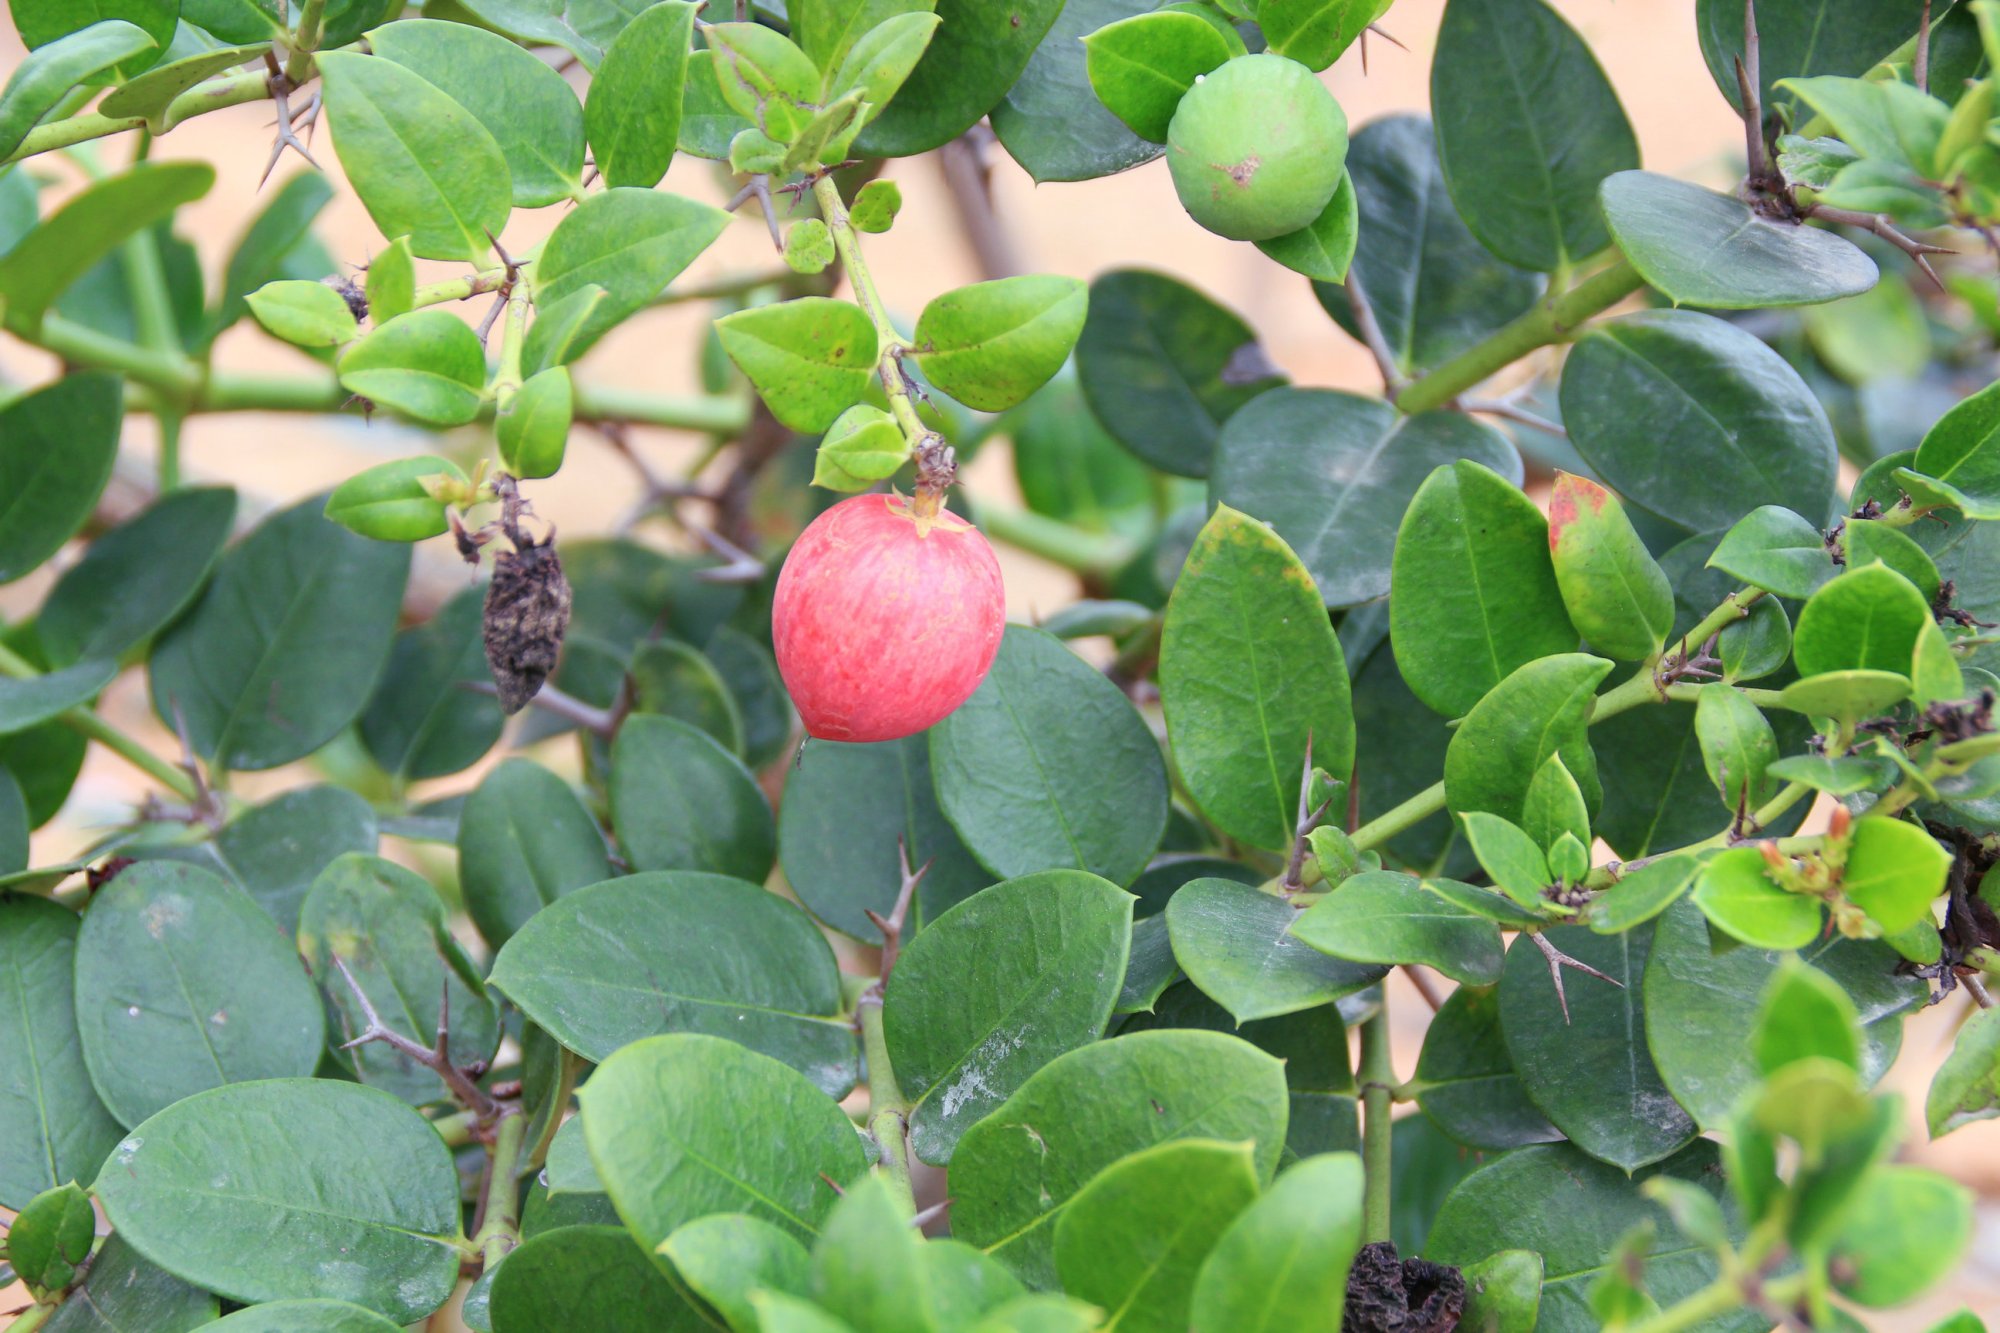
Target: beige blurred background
1647	46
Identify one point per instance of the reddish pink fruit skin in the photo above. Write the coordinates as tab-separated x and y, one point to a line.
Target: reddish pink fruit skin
881	632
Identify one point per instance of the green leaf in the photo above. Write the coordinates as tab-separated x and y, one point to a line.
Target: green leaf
630	243
1235	942
185	985
1016	1172
1527	128
310	1316
1739	898
1894	870
124	1291
675	680
1701	1008
524	840
1433	289
1774	549
686	1125
1737	745
387	929
1380	916
1694	419
992	344
1836	777
1540	709
1333	472
1871	540
395	501
1963	451
135	578
1700	248
152	93
1514	861
978	53
1473	593
1134	1238
765	77
50	71
308	314
53	1129
1323	250
880	60
1867	619
584	28
810	358
634	111
1163	367
679	801
1141	66
423	722
846	808
1642	894
1554	811
278	244
1847	696
392	278
1051	121
1315	32
996	988
57	447
1252	680
1588	1070
1797	38
875	205
336	1166
1907	1229
1806	1015
1966	1086
682	952
29	702
276	850
1618	597
533	426
423	165
95	221
809	247
1466	1081
864	445
725	1257
428	365
282	651
1282	1263
868	1267
596	1277
1503	1292
528	109
1049	765
51	1238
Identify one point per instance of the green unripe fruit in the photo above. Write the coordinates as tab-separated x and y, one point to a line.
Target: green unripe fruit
1257	148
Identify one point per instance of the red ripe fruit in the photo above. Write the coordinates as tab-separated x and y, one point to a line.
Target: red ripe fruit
884	622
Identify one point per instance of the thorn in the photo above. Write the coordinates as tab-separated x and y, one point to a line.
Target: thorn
832	1184
463	1089
1558	960
1385	35
1880	225
281	88
891	925
492	317
931	1214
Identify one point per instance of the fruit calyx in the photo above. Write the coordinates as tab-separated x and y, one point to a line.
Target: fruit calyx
937	469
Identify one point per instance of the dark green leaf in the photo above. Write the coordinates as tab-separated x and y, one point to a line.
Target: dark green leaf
1163	367
584	27
978	53
1048	765
1700	248
1149	968
1466	1080
587	1277
1252	680
1798	38
524	840
682	952
996	988
309	1316
125	1291
1402	745
1070	468
1727	424
1527	127
137	577
57	446
422	722
185	985
1051	121
28	702
679	801
338	1170
53	1129
93	223
1380	916
1236	943
1016	1171
686	1125
634	110
629	242
1473	594
1963	451
283	649
276	850
1282	1263
1333	472
526	107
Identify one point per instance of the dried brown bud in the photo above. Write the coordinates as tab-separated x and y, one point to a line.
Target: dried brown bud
527	610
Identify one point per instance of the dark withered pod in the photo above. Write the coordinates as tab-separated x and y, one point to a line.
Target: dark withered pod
527	611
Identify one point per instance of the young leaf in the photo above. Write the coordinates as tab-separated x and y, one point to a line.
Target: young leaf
1806	1015
1867	619
1054	944
992	344
392	283
1515	862
1323	250
1737	745
880	60
307	314
875	206
809	358
1252	679
725	1257
1966	1086
1235	942
1869	541
1962	452
634	111
371	1170
1141	66
533	428
422	165
51	1238
1740	899
1894	870
1642	894
592	970
1380	916
1539	710
1527	127
183	986
729	1107
427	364
277	244
1618	597
765	77
868	1266
1775	549
395	502
628	244
1555	808
1315	32
864	445
1907	1229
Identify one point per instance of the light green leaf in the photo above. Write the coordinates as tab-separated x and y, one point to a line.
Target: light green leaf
864	445
1540	709
1894	870
1141	66
1236	944
391	502
725	1257
1774	549
308	314
533	427
1618	597
1380	916
1738	897
1315	32
629	243
1963	451
992	344
1323	250
809	358
152	93
634	111
1966	1086
50	71
428	365
1737	745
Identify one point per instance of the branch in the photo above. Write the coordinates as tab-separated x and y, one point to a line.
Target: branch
1879	223
215	95
437	1058
602	722
1377	1077
966	164
891	925
1501	408
1308	819
1749	88
1920	69
1393	379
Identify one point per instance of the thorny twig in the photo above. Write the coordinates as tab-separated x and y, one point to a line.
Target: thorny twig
282	88
1393	379
967	166
1683	664
437	1059
743	567
1558	960
1308	820
1749	86
1385	35
1879	223
759	188
1499	407
601	722
891	925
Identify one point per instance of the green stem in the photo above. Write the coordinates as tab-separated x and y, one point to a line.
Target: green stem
501	1231
1720	1297
1394	820
888	1108
1052	539
153	313
513	335
888	360
459	289
305	40
1690	692
1378	1081
1550	321
569	1069
214	95
456	1129
165	372
32	1318
82	719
